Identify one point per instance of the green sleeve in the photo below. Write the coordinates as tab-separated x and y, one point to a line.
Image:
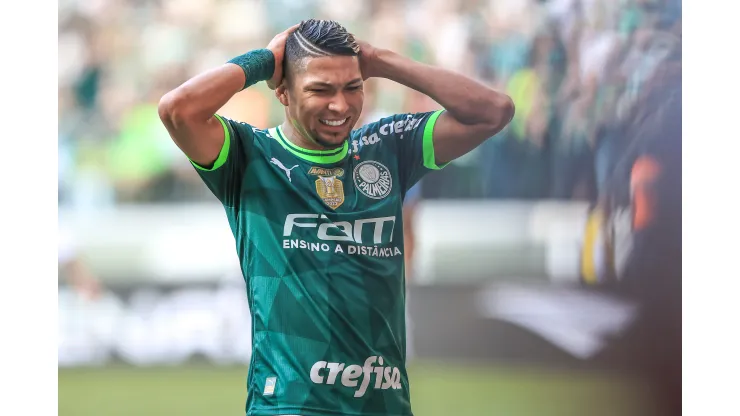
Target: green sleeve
224	177
416	147
224	154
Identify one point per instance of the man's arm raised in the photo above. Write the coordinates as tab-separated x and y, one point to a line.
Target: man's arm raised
474	112
188	111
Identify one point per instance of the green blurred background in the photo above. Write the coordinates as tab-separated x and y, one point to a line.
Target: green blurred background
131	205
436	389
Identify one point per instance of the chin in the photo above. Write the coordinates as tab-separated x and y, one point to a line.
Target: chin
331	141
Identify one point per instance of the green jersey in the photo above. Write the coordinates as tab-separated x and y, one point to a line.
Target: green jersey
320	238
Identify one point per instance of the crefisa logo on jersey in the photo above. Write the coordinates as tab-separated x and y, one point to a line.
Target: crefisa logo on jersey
356	376
372	179
328	186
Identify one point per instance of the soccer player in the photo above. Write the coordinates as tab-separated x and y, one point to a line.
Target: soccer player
315	208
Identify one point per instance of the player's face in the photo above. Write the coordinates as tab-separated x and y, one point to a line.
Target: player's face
327	98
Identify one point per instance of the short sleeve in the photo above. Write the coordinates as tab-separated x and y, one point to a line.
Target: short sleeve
414	134
224	177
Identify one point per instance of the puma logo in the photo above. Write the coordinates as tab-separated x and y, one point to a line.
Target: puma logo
281	166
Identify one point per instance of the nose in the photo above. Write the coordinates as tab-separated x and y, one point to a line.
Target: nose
338	104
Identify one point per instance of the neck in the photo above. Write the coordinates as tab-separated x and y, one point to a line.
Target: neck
300	137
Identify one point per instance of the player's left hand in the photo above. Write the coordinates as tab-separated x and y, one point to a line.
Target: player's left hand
368	60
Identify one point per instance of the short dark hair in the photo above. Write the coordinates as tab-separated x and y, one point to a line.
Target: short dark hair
315	38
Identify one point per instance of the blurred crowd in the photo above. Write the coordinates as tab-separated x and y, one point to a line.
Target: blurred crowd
575	69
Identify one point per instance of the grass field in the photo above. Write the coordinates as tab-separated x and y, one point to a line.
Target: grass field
437	389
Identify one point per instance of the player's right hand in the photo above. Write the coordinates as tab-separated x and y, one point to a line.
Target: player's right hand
277	46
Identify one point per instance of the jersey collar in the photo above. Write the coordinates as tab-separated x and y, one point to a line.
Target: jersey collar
315	156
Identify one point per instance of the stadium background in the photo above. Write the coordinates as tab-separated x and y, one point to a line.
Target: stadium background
512	307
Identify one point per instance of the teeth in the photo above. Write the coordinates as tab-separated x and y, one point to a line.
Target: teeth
334	122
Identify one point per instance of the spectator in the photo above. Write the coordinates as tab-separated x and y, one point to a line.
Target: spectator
575	67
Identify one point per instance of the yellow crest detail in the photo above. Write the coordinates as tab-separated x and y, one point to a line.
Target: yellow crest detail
330	190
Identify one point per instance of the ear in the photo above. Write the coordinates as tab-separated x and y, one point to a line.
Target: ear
281	92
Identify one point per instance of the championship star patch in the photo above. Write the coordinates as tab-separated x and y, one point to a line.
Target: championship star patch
328	185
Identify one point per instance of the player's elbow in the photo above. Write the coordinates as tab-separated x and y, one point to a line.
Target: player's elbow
169	108
493	111
508	109
175	109
502	113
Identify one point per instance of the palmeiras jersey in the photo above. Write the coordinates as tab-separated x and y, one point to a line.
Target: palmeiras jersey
319	235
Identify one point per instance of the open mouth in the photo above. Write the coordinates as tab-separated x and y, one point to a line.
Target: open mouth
334	123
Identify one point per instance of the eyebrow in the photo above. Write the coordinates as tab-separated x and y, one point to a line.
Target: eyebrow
330	85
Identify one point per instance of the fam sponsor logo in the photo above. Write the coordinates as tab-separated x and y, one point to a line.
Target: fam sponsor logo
365	237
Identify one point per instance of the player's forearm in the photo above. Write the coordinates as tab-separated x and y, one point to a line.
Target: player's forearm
198	99
465	99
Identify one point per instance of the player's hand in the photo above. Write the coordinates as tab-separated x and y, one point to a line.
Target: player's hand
277	46
368	60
